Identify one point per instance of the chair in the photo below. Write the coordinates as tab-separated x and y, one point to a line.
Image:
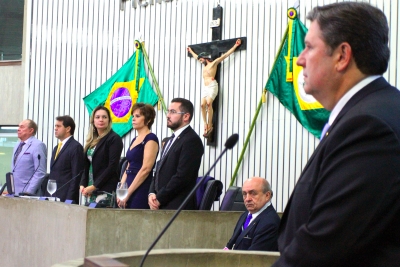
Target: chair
213	190
233	200
10	183
42	190
122	167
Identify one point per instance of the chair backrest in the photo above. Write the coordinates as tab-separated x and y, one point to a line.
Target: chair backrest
122	166
42	190
211	193
10	183
233	200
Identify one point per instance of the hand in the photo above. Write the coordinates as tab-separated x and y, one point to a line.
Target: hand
153	202
87	191
121	203
189	49
238	42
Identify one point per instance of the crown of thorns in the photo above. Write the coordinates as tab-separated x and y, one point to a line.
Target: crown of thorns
204	55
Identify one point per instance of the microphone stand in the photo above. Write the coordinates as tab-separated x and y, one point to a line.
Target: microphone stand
23	193
58	189
235	136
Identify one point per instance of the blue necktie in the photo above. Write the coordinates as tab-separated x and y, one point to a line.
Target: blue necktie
246	223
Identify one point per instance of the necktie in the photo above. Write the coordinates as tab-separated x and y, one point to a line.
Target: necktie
18	151
246	223
324	130
168	145
58	149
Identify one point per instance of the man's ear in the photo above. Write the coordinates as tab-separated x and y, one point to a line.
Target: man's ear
186	117
344	55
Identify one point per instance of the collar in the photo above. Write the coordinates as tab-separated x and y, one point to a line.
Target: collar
254	215
29	140
65	140
343	101
178	132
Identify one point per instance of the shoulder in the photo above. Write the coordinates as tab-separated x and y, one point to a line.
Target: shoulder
113	136
271	214
189	132
75	143
190	135
36	142
151	137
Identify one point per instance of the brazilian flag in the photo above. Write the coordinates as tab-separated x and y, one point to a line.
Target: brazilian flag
286	79
120	92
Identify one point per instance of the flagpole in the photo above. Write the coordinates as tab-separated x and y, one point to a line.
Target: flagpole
154	78
253	123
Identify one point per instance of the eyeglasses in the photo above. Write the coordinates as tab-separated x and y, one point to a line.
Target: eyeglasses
173	111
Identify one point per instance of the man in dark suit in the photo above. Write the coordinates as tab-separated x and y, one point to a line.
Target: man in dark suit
66	165
178	167
256	229
345	208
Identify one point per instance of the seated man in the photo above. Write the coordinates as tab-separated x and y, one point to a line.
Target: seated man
256	229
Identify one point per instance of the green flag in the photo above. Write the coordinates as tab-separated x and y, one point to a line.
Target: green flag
286	79
119	93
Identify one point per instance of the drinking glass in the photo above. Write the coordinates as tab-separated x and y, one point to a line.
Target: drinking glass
51	186
122	191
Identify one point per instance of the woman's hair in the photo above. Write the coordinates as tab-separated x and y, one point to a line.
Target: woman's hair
147	111
93	137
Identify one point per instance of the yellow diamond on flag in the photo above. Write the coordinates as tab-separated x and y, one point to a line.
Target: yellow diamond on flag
120	100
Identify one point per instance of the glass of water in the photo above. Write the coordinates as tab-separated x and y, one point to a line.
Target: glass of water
51	186
122	191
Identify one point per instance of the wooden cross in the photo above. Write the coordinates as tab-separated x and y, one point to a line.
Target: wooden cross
216	48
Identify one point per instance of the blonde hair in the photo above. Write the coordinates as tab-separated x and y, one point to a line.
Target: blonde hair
93	137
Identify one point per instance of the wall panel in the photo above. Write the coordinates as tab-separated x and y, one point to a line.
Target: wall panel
77	45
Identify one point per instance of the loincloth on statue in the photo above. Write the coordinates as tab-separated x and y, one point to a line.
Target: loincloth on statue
211	90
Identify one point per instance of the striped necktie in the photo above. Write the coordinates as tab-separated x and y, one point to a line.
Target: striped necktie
171	139
18	151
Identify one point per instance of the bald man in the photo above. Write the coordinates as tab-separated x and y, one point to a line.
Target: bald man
257	228
29	163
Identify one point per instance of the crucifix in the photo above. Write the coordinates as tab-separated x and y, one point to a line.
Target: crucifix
209	54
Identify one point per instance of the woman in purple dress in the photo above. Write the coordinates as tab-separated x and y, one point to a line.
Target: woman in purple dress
141	158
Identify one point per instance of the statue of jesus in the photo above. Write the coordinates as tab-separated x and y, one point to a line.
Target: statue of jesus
210	84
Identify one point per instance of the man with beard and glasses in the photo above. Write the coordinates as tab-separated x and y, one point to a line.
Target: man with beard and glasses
178	167
210	84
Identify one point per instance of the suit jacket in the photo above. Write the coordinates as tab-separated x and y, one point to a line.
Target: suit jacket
261	234
345	208
178	170
26	164
68	165
105	162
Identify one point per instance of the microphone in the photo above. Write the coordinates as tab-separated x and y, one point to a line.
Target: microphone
23	193
229	144
73	178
